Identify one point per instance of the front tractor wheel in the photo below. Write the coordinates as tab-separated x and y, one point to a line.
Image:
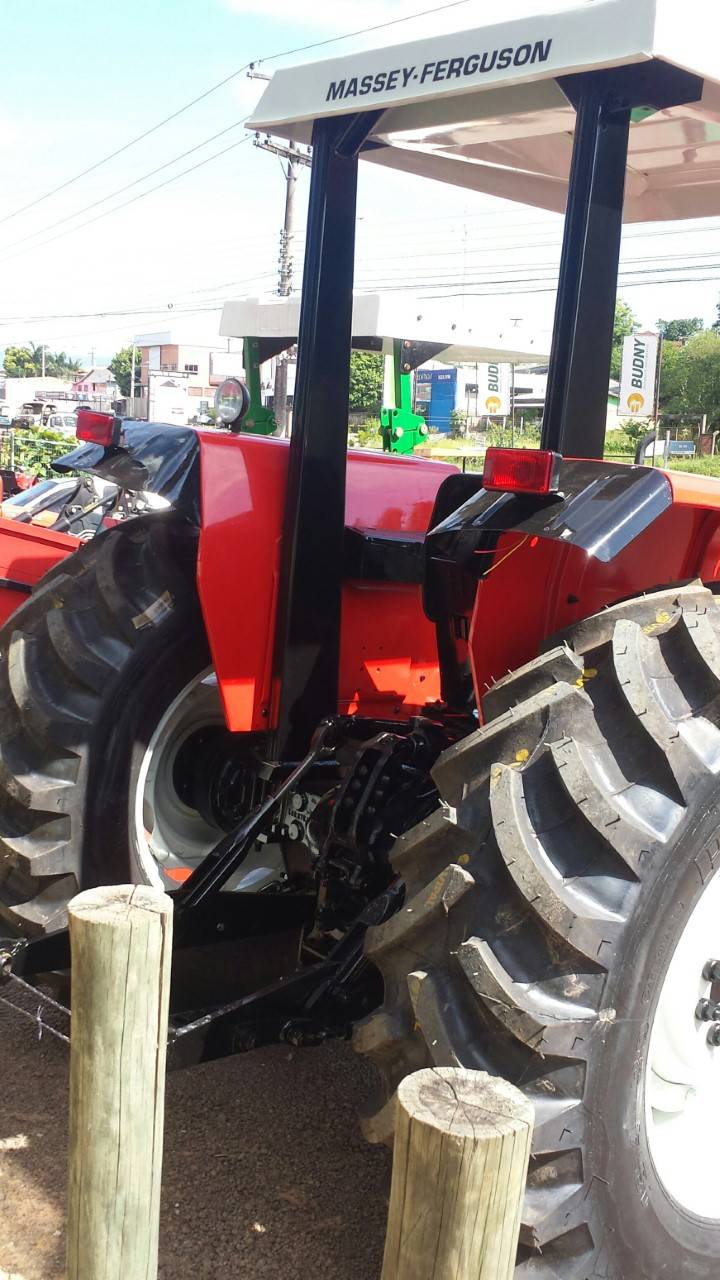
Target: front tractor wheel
115	763
561	928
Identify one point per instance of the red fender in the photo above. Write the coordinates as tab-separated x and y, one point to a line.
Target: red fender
389	662
27	553
538	587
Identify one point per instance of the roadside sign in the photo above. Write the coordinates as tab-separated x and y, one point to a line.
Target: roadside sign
493	397
637	379
684	448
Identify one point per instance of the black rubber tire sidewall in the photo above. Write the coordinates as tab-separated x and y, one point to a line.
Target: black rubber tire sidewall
173	654
653	1235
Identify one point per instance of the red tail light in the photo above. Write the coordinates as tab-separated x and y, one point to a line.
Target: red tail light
522	470
97	428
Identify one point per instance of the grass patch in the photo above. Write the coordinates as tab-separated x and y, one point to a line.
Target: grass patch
697	466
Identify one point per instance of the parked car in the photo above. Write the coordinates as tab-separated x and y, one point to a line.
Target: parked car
63	422
32	413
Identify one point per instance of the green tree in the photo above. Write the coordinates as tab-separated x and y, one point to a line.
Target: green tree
36	352
366	381
121	368
625	323
673	378
18	362
27	362
690	380
680	330
60	365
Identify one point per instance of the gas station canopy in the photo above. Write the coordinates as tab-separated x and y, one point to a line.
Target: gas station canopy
488	108
379	319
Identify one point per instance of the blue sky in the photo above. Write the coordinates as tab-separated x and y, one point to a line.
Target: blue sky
79	80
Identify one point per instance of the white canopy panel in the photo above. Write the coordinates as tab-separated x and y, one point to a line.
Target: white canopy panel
389	316
482	108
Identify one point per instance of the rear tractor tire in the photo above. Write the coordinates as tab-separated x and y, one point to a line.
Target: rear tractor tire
561	919
107	695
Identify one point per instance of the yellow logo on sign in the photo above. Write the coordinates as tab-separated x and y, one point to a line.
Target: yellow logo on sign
493	404
635	402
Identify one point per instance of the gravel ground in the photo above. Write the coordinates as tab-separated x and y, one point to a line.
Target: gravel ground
266	1176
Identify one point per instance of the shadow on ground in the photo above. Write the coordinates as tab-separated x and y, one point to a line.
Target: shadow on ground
266	1176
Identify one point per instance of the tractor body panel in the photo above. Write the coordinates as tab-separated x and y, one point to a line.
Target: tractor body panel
538	591
27	553
505	573
234	488
502	573
389	664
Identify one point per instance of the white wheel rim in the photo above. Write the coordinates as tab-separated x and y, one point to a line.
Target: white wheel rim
682	1081
169	839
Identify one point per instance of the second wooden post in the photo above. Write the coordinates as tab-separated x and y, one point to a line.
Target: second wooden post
462	1145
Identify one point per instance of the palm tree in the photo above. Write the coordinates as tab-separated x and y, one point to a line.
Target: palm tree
36	351
60	365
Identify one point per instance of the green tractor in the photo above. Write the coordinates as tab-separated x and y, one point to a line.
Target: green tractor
430	334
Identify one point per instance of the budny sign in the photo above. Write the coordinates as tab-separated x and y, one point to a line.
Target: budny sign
637	379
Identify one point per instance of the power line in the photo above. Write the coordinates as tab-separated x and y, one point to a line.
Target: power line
126	146
509	275
150	309
120	190
213	305
362	31
287	53
633	284
430	297
134	199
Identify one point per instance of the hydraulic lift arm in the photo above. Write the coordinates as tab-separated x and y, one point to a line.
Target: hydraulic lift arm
259	418
400	428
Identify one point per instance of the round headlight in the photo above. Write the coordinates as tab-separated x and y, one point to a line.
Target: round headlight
232	401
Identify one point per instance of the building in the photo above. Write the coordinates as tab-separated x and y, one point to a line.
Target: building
15	392
531	388
97	384
486	393
199	363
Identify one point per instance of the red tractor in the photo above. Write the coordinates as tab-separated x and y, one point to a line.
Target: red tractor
427	759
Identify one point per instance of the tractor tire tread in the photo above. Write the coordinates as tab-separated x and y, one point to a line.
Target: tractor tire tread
66	650
552	811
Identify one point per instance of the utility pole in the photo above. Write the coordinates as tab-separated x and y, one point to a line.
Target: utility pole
42	361
132	380
294	160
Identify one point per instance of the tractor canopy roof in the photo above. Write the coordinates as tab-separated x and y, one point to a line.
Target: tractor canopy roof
489	108
379	319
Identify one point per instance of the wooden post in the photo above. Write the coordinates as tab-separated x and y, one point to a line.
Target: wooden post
121	938
462	1145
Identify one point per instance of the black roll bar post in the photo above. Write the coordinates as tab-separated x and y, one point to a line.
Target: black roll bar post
577	391
307	638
